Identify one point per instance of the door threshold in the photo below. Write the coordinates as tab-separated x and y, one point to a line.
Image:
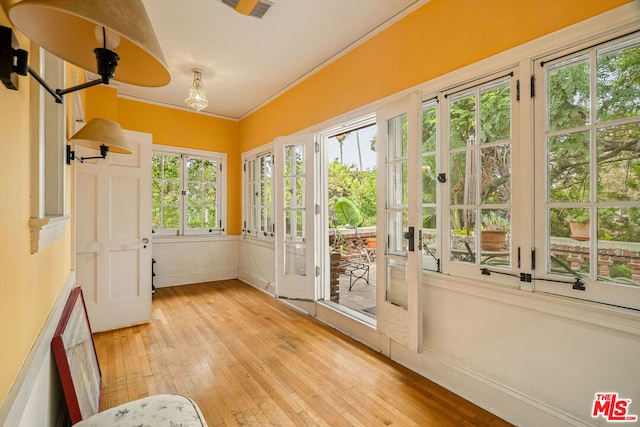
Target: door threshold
362	316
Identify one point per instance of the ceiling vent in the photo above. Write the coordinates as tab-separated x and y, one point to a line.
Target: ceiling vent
255	8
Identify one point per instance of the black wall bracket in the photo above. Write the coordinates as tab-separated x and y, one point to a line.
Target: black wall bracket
14	62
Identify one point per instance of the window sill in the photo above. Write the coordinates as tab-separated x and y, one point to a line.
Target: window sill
45	231
160	239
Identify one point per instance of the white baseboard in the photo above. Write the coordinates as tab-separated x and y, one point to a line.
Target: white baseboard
511	405
258	282
194	277
36	396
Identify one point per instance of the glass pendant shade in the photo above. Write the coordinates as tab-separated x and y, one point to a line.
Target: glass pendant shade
197	97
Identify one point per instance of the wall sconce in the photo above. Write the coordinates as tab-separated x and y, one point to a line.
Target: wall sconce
100	134
85	33
197	96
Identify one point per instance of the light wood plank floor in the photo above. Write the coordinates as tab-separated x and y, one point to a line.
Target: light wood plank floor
248	359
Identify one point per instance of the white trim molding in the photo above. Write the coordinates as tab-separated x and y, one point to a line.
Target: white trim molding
45	231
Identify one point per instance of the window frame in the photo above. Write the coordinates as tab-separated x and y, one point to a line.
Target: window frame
594	290
252	171
184	155
49	205
477	270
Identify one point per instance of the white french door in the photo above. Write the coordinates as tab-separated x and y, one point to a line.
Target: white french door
295	214
113	233
398	263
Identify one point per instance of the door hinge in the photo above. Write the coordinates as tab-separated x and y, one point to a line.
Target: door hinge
518	90
533	86
317	271
317	209
244	167
317	147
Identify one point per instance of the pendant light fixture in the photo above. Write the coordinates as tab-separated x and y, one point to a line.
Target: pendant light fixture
197	98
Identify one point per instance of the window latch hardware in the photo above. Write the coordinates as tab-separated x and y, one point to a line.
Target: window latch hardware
442	177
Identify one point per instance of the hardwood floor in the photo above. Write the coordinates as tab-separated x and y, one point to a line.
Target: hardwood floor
249	360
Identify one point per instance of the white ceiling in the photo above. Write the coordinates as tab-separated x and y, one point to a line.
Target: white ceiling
245	60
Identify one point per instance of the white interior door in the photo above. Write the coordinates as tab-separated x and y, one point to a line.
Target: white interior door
398	263
295	261
113	234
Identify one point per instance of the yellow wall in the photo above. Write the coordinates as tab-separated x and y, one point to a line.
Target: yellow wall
440	37
29	284
437	38
177	128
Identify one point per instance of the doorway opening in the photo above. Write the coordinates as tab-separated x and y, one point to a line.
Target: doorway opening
350	209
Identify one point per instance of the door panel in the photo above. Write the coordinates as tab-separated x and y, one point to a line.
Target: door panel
398	290
113	206
295	261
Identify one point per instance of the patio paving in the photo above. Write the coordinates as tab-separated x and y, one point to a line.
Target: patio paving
362	296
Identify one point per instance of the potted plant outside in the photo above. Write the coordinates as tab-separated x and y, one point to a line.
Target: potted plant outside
494	231
578	220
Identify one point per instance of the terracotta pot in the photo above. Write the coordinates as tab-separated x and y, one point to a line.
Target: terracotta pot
579	230
493	240
371	242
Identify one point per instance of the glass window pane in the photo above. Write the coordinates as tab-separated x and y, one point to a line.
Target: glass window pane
569	95
397	138
299	191
156	217
171	192
429	129
156	166
568	166
618	84
209	169
463	178
495	237
397	191
429	179
619	245
171	167
210	219
195	217
495	113
462	116
194	193
496	174
194	170
619	163
209	194
156	192
463	231
171	217
569	242
396	225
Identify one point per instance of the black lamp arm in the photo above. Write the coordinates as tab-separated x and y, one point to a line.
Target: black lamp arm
71	154
15	61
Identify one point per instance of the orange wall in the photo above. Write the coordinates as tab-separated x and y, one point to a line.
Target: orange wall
178	128
29	284
439	37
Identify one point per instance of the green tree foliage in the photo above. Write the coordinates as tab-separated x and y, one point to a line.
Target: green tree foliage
346	181
617	79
